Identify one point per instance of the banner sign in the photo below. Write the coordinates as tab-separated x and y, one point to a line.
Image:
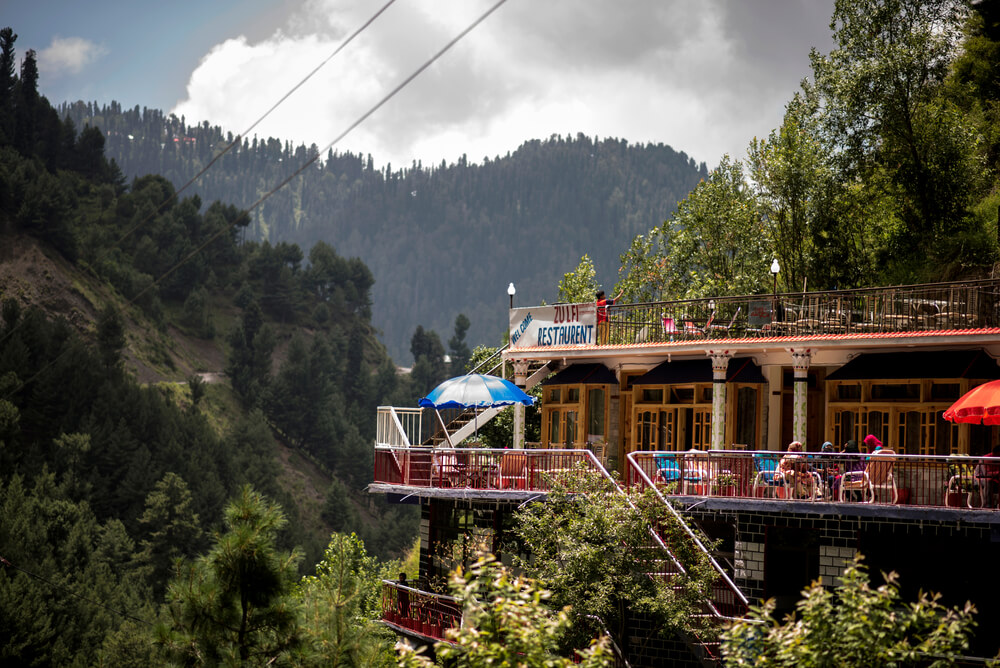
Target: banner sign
759	314
559	325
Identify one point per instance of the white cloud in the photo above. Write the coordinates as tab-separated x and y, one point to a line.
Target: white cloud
68	55
703	77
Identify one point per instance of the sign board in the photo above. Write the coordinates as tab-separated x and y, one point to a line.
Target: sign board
759	313
559	325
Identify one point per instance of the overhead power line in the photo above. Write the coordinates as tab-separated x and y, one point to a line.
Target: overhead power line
246	212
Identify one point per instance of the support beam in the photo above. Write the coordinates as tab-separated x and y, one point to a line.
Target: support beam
801	358
520	379
720	363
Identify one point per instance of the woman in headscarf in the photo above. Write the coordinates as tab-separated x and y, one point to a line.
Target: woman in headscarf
849	463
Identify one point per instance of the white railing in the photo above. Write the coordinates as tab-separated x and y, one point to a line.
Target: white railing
399	427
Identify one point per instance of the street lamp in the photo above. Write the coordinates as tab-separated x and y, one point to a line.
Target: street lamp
511	291
775	268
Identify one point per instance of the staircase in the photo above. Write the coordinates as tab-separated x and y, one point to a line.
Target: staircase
727	601
460	425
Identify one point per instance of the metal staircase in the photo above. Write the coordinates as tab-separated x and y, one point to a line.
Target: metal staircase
464	424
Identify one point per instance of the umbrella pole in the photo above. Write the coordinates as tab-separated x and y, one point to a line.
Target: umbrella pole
444	428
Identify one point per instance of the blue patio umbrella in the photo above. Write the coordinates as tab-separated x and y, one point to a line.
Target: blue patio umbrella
475	390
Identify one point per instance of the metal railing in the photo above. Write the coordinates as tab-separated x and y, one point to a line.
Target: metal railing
398	426
905	308
883	477
478	468
421	612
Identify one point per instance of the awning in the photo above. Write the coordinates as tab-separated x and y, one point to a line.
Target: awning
579	374
740	370
937	364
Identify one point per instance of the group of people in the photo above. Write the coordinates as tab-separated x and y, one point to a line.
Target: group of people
802	474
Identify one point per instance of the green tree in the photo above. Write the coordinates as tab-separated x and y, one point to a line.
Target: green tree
579	285
170	529
852	625
457	346
591	545
887	122
234	605
507	621
341	604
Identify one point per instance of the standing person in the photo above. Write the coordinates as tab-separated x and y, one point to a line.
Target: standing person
602	314
403	597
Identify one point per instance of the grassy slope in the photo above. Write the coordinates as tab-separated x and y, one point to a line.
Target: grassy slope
38	276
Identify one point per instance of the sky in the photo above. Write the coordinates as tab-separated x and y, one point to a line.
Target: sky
703	76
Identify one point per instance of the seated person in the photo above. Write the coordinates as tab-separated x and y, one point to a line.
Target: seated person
794	469
850	464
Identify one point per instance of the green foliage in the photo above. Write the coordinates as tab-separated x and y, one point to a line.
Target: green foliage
590	544
507	621
235	604
340	606
458	348
852	625
579	285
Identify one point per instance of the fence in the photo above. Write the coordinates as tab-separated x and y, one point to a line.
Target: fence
883	477
926	307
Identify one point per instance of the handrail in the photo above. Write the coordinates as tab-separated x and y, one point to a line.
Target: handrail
691	534
485	362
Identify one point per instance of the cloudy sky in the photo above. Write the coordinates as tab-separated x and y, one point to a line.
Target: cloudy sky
702	76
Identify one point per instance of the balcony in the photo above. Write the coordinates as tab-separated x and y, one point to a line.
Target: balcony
959	483
930	307
880	479
417	612
478	469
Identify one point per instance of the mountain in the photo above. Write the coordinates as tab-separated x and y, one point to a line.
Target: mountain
439	240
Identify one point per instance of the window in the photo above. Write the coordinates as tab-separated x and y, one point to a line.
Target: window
554	395
595	413
847	392
651	396
571	428
553	427
896	392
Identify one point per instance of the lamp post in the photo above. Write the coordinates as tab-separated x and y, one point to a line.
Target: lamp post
510	293
775	268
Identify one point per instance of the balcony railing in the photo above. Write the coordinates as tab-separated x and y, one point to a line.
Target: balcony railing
420	612
883	477
908	308
478	468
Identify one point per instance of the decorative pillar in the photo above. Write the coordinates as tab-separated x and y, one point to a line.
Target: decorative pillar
520	379
720	363
800	389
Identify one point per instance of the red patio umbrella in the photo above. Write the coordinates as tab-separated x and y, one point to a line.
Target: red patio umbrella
980	405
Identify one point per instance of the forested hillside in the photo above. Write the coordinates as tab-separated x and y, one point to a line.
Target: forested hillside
106	480
440	240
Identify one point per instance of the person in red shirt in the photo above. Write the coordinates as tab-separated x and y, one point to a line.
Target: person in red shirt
602	314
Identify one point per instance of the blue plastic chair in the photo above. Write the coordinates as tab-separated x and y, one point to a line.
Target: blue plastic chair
766	464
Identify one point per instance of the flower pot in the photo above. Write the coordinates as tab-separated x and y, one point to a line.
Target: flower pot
728	490
701	490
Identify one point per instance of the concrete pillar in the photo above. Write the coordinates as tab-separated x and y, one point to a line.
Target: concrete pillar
520	379
800	390
720	363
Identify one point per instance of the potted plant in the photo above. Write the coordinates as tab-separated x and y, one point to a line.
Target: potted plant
724	484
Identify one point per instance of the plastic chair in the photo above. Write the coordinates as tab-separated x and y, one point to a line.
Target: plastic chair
668	470
513	471
880	474
724	328
766	465
669	328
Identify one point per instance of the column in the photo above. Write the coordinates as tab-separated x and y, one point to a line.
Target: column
720	363
800	389
520	379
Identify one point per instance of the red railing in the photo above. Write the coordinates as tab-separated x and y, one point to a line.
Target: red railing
883	477
420	612
478	468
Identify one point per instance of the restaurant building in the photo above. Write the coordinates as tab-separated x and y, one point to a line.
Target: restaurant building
699	399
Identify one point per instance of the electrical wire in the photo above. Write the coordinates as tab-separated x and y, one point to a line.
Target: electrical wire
6	563
217	157
245	214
